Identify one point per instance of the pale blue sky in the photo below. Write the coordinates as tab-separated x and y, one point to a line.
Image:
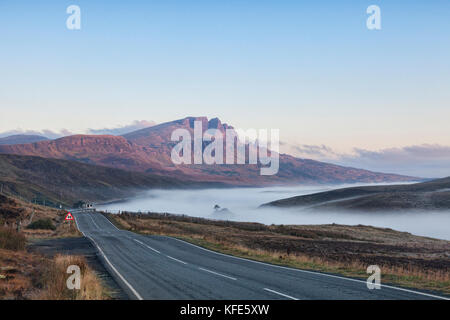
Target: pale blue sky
310	68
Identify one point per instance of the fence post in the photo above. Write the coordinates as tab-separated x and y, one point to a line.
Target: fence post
31	218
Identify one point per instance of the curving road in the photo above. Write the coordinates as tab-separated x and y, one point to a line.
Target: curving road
157	267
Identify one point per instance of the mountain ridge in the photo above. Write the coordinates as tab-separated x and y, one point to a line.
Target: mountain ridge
63	181
21	139
149	150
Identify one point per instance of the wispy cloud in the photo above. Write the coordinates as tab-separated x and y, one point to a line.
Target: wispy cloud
119	130
45	133
425	151
308	151
427	160
135	125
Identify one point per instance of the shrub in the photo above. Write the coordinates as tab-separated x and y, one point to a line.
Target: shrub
11	239
42	224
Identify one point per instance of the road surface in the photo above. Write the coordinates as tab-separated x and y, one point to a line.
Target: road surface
158	267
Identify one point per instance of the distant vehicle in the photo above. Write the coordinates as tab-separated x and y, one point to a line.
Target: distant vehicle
88	206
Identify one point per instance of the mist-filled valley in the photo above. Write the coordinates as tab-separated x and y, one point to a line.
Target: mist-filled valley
242	204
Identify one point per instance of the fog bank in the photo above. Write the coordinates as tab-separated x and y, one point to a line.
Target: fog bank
242	205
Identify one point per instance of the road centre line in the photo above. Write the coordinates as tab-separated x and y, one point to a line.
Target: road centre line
216	273
176	259
146	245
280	294
310	272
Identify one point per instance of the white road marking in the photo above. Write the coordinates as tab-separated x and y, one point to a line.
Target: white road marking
146	246
111	223
281	294
117	272
76	222
282	267
312	272
219	274
176	260
138	296
94	222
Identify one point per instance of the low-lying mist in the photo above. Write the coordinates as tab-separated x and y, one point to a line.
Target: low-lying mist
241	204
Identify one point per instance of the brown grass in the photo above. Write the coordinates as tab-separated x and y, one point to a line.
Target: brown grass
19	274
13	210
404	259
25	275
438	280
11	239
55	279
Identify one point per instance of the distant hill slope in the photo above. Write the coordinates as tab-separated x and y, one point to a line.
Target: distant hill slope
431	195
149	150
21	139
61	181
106	150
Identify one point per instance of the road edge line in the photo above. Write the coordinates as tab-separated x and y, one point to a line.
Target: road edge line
138	296
311	272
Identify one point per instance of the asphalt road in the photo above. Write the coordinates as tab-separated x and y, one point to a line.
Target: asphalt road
157	267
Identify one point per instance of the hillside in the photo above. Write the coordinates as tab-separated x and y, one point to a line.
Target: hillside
106	150
61	181
148	150
21	139
25	272
431	195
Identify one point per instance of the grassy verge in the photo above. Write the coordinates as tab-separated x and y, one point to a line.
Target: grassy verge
55	277
405	260
11	239
30	276
35	221
420	279
27	275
